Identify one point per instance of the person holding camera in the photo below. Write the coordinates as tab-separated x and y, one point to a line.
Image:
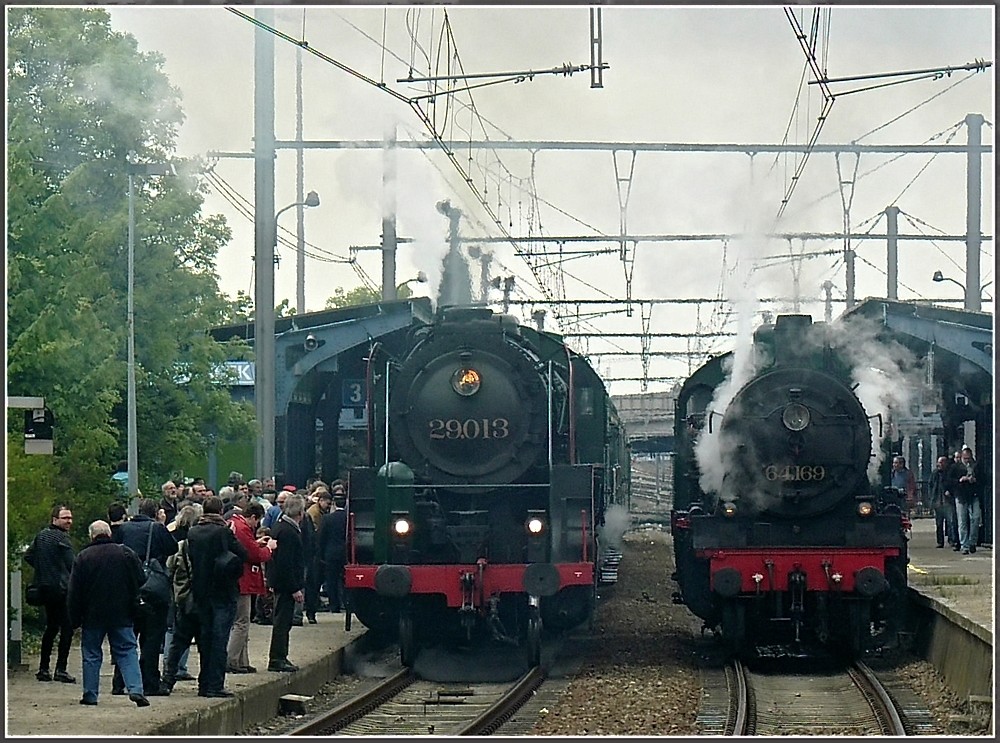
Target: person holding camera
259	549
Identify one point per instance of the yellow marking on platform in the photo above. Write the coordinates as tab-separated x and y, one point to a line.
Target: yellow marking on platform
915	569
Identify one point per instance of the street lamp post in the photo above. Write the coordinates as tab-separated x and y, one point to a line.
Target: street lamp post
263	335
312	199
970	302
133	169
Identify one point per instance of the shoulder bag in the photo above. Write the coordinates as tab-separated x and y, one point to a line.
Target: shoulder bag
155	591
34	594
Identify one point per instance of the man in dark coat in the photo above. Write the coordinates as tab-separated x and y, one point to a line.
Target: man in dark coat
967	500
287	577
149	539
103	594
51	555
333	552
215	595
941	488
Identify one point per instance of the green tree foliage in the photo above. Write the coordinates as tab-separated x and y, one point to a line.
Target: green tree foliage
361	295
82	101
32	474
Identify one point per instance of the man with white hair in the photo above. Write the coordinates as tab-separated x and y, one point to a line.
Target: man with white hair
169	501
103	593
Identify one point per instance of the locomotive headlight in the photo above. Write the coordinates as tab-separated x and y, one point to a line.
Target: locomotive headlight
729	509
401	527
537	547
795	416
534	525
864	508
466	381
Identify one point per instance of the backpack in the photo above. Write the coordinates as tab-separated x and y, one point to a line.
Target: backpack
180	573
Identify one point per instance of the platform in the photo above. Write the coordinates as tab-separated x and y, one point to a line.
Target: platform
953	605
960	583
36	708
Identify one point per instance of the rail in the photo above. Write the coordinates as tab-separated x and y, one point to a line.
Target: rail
357	707
878	697
507	705
738	717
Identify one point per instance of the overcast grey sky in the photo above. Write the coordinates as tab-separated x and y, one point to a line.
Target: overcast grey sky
683	75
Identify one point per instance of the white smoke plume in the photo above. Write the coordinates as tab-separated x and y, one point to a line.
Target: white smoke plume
887	375
711	451
616	523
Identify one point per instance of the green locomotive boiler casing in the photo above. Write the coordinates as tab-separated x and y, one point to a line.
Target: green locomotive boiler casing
495	452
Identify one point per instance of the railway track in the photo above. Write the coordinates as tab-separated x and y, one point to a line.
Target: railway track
849	701
402	704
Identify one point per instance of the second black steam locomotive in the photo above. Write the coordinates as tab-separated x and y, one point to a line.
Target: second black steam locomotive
779	536
494	454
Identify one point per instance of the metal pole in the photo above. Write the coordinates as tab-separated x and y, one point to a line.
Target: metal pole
974	191
551	411
133	447
891	248
264	232
300	244
388	371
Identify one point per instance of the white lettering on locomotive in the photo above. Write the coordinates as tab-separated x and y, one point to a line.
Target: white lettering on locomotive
795	472
472	428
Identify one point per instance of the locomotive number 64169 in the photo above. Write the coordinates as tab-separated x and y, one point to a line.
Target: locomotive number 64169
472	428
794	473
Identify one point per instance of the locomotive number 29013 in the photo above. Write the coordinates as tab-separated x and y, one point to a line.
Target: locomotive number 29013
794	472
471	428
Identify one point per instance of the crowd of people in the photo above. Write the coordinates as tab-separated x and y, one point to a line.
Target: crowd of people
954	492
245	554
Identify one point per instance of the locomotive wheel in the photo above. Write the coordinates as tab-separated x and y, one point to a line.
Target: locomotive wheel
534	639
407	643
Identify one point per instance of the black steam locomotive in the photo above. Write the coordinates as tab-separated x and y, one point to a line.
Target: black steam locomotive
780	539
494	453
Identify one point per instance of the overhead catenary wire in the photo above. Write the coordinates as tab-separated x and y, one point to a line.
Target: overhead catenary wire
422	115
493	168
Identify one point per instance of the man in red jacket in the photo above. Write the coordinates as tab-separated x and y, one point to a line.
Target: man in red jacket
244	526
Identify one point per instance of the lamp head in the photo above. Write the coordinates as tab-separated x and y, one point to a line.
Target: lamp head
312	199
938	276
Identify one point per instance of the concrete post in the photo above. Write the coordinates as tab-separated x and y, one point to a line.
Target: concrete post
389	217
264	243
16	626
974	195
891	248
